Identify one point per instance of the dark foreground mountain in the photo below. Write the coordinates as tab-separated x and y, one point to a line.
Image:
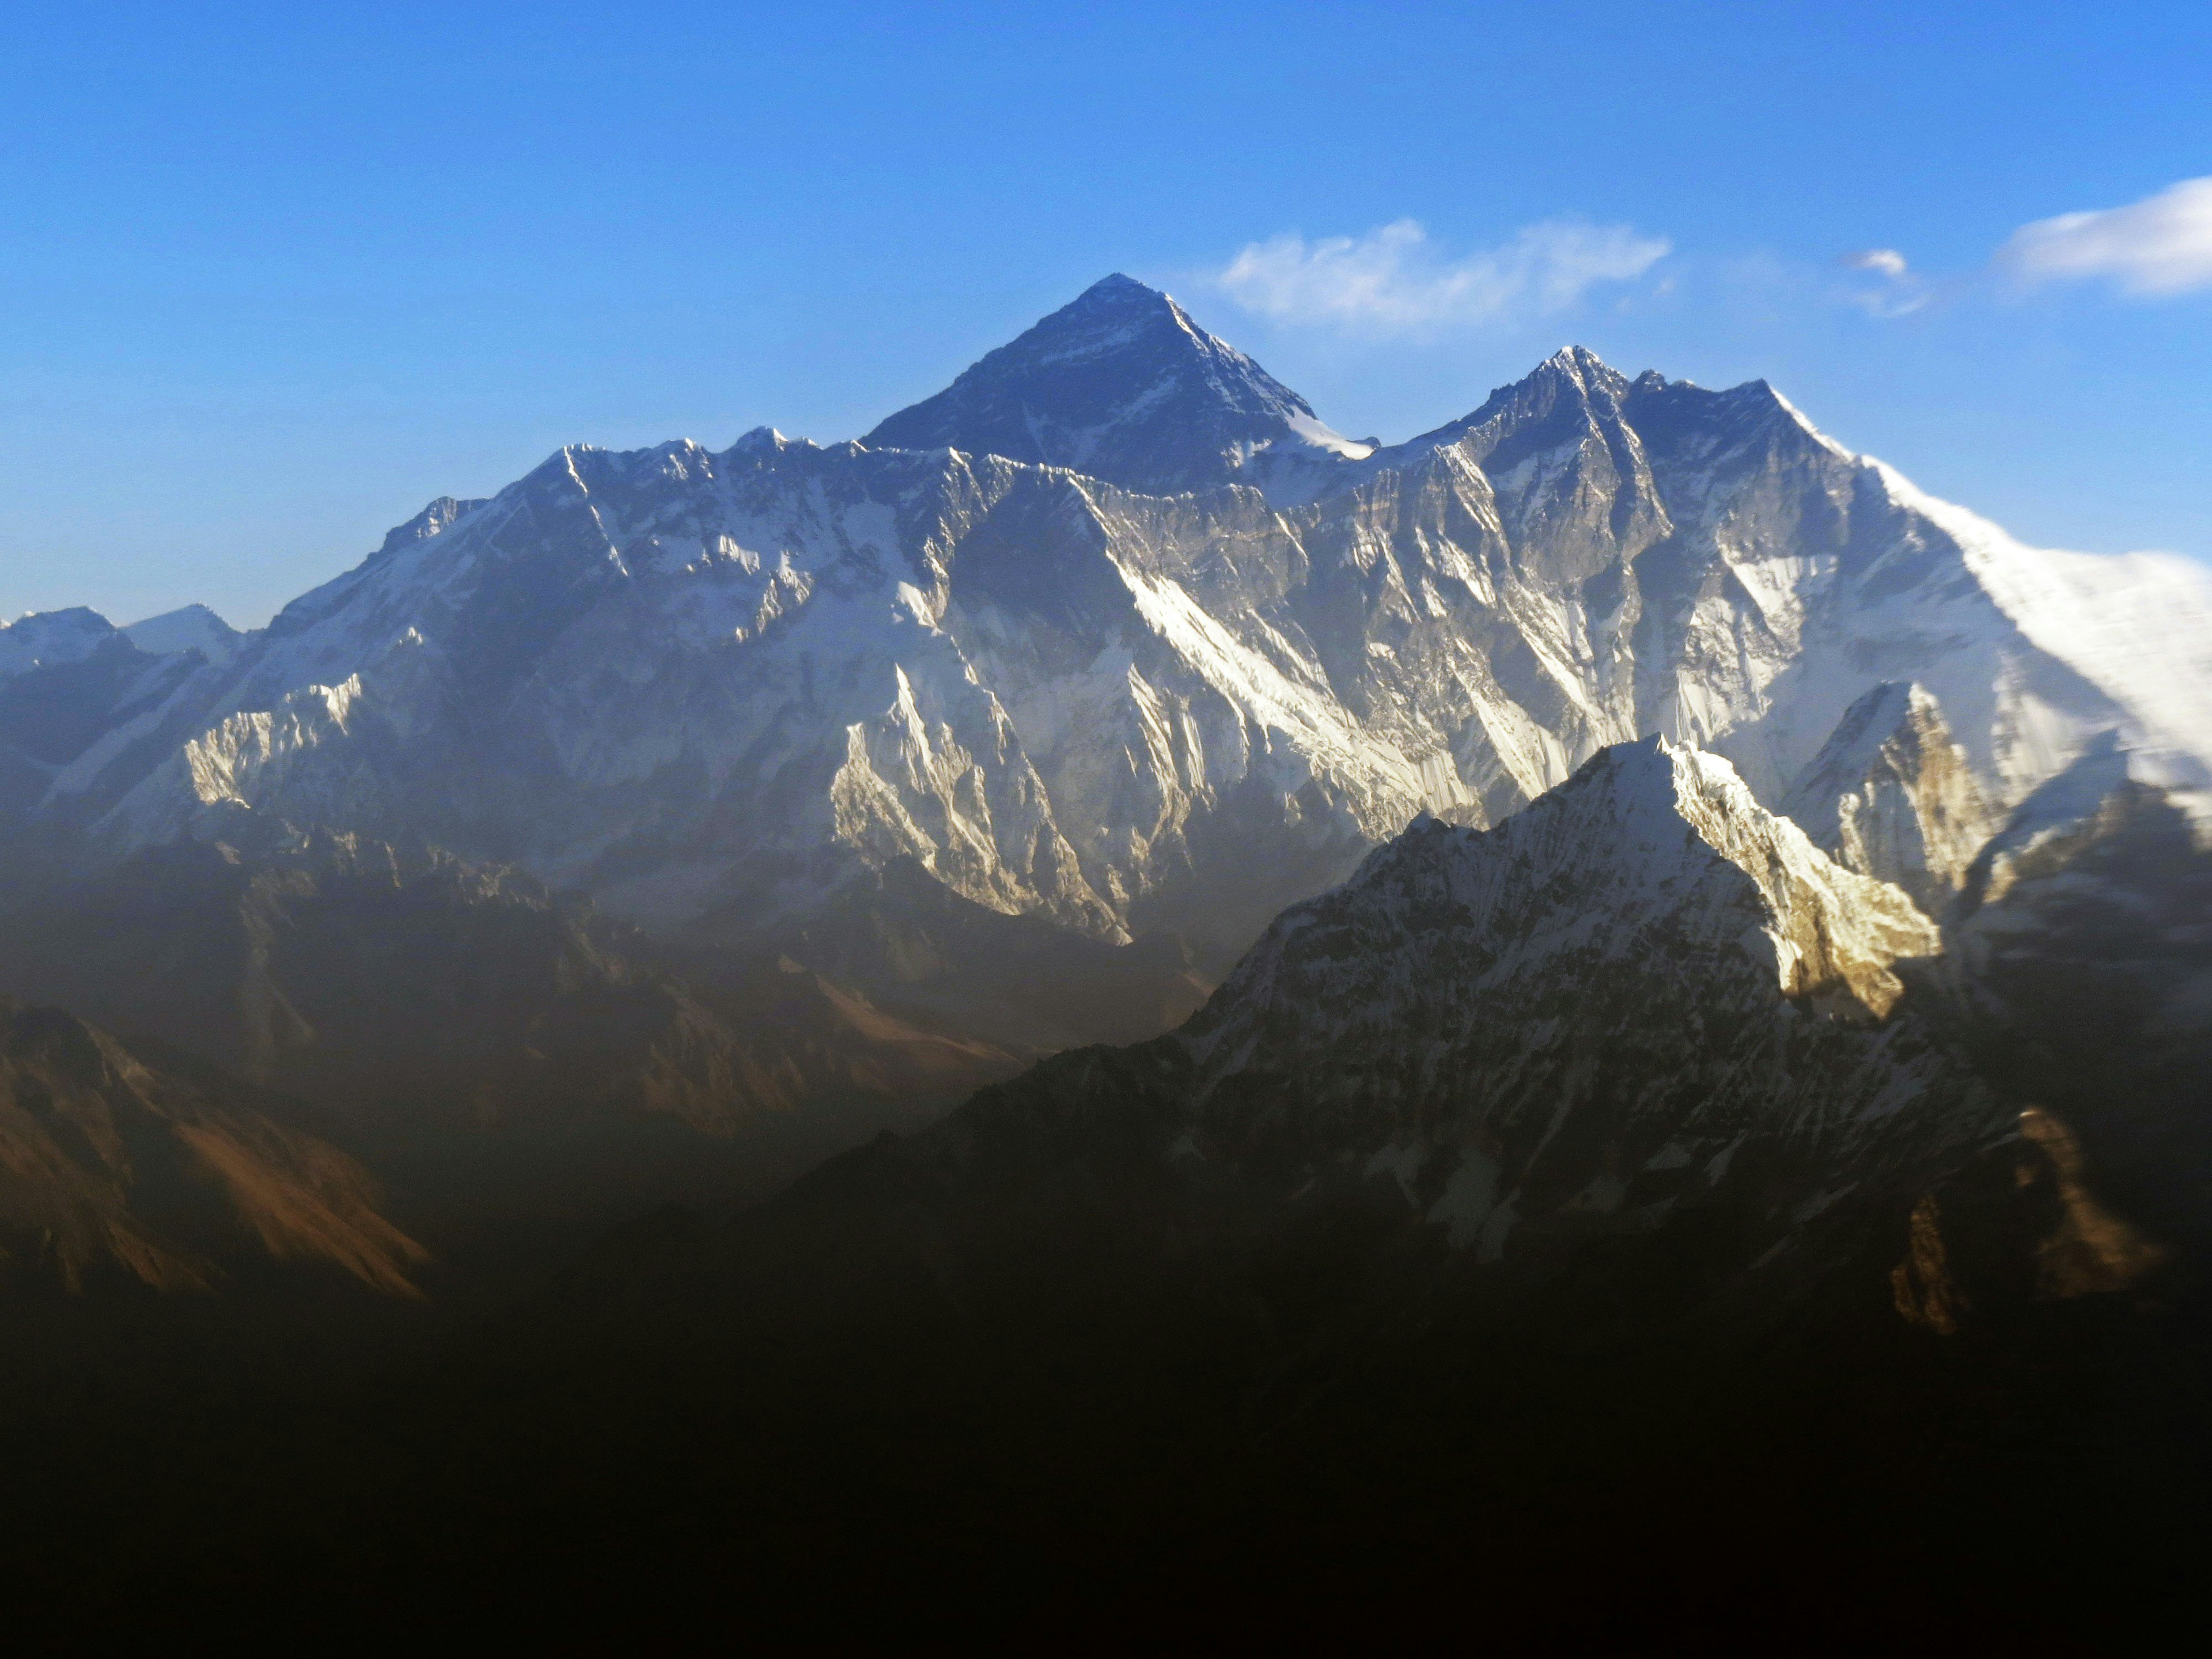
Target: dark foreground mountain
1624	1226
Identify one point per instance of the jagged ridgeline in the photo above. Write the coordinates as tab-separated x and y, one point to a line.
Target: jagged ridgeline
1612	948
1007	728
1113	633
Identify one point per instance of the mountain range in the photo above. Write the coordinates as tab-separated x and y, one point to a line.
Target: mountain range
1113	637
1617	910
1082	634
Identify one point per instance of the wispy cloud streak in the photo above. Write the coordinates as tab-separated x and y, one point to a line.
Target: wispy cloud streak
1392	279
2155	247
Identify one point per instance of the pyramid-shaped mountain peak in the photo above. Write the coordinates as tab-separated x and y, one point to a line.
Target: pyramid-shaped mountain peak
1121	384
1589	375
1581	360
1116	288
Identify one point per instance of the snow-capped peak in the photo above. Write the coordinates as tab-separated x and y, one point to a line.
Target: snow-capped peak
1122	386
1586	368
46	638
191	627
1649	839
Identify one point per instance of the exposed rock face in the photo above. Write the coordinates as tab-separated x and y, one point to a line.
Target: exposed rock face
1890	795
716	691
108	1161
1639	992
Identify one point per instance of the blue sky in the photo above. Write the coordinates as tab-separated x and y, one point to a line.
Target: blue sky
271	279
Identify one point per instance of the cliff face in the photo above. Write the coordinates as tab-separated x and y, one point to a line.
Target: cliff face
1891	795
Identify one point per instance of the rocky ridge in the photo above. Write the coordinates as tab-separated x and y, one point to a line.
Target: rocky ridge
1644	995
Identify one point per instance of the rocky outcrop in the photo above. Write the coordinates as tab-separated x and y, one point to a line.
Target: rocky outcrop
1640	997
1890	795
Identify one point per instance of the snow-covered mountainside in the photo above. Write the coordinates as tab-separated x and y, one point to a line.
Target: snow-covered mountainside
50	638
193	628
716	691
1891	795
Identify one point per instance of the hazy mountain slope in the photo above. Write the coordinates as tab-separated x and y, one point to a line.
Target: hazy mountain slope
412	988
190	627
108	1162
2082	942
1212	1324
47	639
1642	995
1542	1197
52	713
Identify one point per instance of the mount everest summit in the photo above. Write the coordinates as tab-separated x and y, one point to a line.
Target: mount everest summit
1113	633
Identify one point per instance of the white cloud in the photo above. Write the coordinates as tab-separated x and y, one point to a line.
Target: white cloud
1888	261
2160	245
1901	292
1393	278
